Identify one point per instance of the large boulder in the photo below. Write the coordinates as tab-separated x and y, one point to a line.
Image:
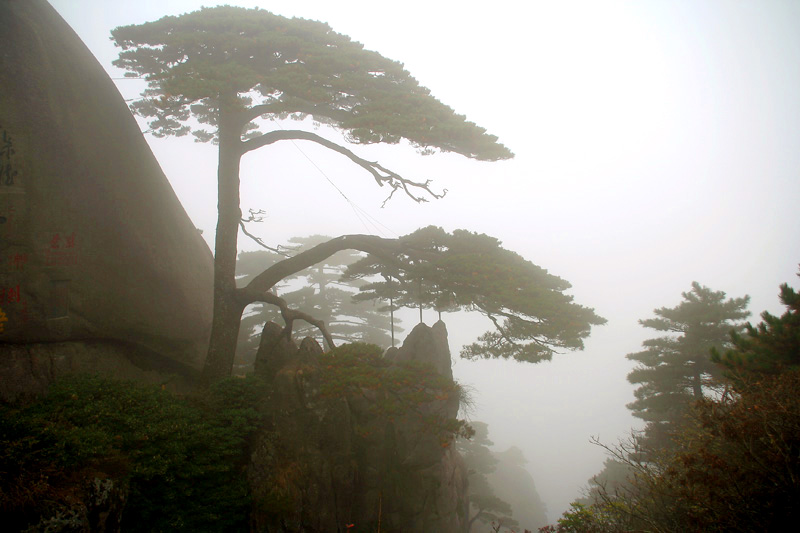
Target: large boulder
94	244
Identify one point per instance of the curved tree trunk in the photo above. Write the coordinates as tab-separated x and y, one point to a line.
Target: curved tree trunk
227	310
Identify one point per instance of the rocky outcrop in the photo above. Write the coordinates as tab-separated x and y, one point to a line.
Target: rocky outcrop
301	471
94	244
428	345
275	350
91	502
324	463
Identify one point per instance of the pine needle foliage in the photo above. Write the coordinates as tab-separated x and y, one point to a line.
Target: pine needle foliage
533	317
279	67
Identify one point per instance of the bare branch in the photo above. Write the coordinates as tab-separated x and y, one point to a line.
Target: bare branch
290	315
259	241
256	216
381	174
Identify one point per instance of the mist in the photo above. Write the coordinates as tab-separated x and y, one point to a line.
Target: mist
656	144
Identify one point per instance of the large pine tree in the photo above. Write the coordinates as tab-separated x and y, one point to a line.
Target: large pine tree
676	369
220	73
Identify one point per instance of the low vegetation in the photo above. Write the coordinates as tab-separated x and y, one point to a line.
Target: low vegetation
179	463
182	459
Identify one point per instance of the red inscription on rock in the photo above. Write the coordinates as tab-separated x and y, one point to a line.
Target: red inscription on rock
10	295
18	261
61	251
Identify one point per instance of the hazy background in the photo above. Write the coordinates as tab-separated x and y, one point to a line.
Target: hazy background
657	144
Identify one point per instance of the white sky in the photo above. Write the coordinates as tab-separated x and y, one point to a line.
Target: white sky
657	143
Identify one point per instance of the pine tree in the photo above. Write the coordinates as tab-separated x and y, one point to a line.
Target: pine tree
732	463
675	370
217	73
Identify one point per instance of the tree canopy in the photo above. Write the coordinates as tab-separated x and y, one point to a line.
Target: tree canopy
271	65
531	314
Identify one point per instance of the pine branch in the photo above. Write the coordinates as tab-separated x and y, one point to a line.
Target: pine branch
381	174
259	241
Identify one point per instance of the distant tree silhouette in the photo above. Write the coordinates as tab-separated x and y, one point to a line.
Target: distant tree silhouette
732	462
485	506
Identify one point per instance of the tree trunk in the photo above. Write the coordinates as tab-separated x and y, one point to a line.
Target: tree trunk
224	336
227	310
391	317
697	382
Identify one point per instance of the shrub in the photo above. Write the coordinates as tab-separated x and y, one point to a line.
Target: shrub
405	389
182	458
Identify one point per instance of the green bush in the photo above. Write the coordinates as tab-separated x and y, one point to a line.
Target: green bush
183	458
398	390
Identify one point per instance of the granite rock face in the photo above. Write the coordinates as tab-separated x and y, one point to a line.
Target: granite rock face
27	370
94	244
428	345
93	503
322	464
274	351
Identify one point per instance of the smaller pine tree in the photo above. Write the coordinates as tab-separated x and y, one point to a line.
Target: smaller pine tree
676	370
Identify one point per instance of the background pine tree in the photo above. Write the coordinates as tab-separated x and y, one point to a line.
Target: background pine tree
676	369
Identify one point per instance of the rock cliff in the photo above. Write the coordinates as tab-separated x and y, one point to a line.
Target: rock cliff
95	249
326	462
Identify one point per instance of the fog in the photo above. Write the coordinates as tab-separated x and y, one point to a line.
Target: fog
656	144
